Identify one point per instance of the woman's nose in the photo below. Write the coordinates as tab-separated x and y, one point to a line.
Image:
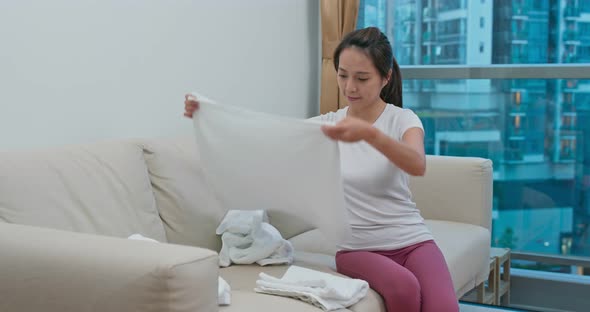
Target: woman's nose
350	87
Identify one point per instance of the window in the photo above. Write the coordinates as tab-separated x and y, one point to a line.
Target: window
449	28
542	157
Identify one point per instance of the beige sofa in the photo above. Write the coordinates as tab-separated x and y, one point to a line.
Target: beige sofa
65	213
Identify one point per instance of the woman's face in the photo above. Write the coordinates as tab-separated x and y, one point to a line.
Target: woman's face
358	79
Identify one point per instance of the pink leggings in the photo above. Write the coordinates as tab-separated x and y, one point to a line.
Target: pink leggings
411	279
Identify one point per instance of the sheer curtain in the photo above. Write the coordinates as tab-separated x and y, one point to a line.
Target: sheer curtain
339	17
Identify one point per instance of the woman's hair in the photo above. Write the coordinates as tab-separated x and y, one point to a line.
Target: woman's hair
376	46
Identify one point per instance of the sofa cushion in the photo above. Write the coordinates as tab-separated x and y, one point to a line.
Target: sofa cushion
466	248
242	279
185	201
313	241
102	188
250	301
455	189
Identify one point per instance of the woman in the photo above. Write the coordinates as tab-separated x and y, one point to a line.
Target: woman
390	246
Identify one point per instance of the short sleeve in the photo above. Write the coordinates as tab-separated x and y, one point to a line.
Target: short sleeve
328	118
406	120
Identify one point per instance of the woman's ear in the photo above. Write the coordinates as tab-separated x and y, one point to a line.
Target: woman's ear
387	79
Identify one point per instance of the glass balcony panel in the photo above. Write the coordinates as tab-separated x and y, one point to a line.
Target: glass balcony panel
541	169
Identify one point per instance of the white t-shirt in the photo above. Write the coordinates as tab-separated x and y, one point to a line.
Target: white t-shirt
381	211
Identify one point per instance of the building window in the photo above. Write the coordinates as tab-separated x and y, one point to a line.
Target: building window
536	123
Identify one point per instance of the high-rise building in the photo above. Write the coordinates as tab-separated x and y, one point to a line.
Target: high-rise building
520	37
536	131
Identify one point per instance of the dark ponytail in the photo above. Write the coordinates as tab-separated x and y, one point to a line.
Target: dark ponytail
377	47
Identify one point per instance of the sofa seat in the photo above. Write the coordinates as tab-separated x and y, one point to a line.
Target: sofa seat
464	246
466	250
249	301
242	279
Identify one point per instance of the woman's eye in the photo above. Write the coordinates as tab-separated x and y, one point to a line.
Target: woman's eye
342	76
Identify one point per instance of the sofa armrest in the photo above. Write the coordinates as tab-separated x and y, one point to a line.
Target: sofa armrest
455	189
51	270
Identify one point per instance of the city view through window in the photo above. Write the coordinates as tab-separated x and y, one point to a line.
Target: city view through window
536	131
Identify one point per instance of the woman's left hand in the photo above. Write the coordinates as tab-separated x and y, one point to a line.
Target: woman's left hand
350	129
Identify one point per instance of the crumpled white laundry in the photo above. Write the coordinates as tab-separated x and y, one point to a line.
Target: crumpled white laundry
247	238
223	292
223	288
324	290
282	165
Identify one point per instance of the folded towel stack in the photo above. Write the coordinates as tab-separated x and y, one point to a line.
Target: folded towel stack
248	238
326	291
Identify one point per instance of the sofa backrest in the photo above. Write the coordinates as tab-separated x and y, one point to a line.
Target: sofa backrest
455	189
100	188
185	201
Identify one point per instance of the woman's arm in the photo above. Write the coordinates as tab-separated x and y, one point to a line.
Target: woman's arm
407	154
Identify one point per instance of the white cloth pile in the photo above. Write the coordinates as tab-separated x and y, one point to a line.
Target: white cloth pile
326	291
223	288
248	238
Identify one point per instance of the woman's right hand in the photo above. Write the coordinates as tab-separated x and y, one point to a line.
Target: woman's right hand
190	105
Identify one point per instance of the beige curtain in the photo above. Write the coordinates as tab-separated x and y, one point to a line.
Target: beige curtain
338	18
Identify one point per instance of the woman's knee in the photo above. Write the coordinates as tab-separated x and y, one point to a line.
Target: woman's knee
401	293
400	288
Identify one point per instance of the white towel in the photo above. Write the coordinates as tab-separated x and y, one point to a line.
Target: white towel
223	288
241	222
324	290
247	239
223	292
286	166
282	255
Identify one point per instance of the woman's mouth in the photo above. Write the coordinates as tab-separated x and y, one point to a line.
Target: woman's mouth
352	98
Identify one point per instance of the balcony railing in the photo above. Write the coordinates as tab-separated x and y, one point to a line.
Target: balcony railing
500	71
571	11
428	36
428	14
520	10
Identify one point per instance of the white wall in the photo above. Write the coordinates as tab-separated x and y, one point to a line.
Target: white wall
76	71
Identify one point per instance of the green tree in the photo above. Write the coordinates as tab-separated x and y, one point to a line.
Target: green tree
508	240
